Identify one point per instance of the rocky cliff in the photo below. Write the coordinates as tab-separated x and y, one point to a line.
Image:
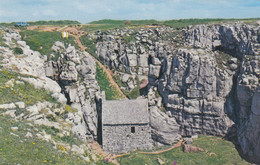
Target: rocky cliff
202	79
75	72
205	76
70	81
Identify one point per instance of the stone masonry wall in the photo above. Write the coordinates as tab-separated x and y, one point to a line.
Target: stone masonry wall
119	139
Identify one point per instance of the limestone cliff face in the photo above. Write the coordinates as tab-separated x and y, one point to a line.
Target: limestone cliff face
75	72
242	42
207	77
195	90
248	124
70	78
236	39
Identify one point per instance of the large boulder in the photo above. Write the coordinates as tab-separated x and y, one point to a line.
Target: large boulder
165	130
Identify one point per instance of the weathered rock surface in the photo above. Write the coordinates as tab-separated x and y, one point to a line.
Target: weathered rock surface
70	79
237	39
208	78
248	116
190	148
195	90
75	71
164	128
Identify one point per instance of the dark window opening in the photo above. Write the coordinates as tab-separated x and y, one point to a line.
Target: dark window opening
132	129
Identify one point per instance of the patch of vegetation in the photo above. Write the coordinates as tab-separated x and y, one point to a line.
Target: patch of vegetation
133	94
217	151
15	148
23	91
51	22
90	45
43	41
102	27
2	38
111	92
58	22
222	59
51	118
71	139
70	109
103	162
119	81
130	38
50	130
18	50
173	23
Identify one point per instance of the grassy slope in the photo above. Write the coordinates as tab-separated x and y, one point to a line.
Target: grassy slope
15	148
1	38
103	82
217	151
20	92
43	41
90	45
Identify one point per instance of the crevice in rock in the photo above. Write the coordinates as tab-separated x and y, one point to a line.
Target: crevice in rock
99	122
232	52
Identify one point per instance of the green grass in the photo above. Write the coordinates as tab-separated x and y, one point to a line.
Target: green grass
222	57
173	23
119	81
17	149
51	22
129	39
90	45
217	151
18	50
2	39
43	41
70	139
133	94
103	82
21	92
102	27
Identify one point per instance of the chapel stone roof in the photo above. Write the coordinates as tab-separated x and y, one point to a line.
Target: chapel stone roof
125	111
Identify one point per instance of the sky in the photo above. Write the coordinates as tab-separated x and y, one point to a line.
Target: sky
90	10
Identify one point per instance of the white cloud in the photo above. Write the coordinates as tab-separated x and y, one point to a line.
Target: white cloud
89	10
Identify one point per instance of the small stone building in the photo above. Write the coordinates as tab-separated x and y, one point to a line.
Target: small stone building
125	125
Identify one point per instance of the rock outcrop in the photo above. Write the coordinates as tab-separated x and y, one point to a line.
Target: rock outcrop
195	91
248	116
207	77
203	79
75	72
164	128
70	79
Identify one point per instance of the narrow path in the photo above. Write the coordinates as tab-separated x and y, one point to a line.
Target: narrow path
165	150
155	152
109	73
62	28
98	150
